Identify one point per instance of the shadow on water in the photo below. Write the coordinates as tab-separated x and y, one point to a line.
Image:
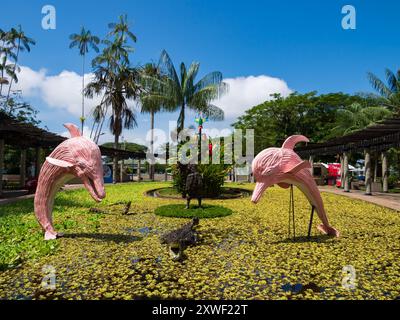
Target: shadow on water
117	238
299	288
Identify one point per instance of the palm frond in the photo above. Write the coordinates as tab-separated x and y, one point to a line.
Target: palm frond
378	85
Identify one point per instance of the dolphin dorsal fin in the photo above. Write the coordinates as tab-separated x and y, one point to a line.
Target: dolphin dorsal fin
73	130
296	168
293	140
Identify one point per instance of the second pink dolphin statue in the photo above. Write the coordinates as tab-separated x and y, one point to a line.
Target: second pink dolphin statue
284	167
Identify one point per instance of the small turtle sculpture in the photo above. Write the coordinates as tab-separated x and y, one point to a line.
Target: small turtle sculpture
178	240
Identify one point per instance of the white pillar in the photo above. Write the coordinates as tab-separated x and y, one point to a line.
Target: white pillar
368	175
385	172
311	160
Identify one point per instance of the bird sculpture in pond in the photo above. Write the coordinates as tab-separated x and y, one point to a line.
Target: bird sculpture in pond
75	157
282	166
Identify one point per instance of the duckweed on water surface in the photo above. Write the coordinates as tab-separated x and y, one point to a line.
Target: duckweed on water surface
246	255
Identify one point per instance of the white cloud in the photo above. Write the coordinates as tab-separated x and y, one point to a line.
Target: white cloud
61	91
247	92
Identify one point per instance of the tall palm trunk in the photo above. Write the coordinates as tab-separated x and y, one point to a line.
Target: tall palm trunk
181	119
15	68
83	97
1	84
152	144
100	126
115	159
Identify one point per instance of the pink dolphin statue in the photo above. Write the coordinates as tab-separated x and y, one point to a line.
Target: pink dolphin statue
284	167
77	156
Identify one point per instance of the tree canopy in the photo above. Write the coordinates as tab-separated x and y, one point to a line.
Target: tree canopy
318	117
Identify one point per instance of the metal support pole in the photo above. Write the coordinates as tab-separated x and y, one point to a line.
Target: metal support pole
367	172
311	220
385	172
291	213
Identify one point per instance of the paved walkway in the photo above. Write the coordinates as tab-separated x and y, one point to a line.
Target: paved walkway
388	200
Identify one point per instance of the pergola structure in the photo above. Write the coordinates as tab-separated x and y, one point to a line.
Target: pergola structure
25	135
377	138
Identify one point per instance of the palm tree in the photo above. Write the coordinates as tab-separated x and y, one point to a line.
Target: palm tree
118	82
356	116
83	41
180	93
20	41
8	69
149	102
6	51
116	97
121	29
390	91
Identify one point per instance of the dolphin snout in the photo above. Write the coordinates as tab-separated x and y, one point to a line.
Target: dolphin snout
258	191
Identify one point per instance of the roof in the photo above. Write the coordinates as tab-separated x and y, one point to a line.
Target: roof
380	136
26	135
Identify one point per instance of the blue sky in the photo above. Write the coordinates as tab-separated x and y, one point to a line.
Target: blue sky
299	42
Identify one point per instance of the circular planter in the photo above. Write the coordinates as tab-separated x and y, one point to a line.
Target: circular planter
229	193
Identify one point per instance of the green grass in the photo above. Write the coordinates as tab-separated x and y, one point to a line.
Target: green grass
246	255
179	211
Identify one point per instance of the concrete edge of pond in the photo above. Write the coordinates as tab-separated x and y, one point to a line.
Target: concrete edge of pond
243	193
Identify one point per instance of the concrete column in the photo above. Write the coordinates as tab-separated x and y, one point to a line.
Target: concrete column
341	171
385	172
38	163
139	174
1	164
22	170
311	160
346	177
368	176
121	171
376	168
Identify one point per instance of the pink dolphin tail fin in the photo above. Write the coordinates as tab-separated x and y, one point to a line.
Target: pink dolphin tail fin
293	140
73	130
328	230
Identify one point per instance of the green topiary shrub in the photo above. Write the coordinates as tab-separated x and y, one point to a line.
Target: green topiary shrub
213	178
